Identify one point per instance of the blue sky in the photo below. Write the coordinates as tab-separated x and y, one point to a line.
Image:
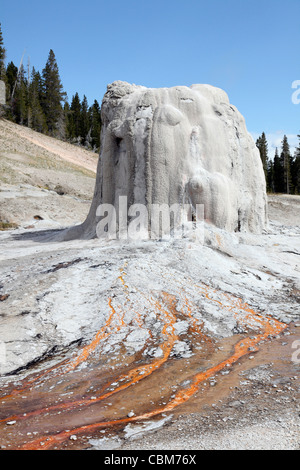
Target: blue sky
249	48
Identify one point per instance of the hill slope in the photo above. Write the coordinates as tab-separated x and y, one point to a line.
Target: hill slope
42	176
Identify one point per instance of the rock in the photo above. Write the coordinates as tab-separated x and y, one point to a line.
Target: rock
181	349
235	404
180	145
3	297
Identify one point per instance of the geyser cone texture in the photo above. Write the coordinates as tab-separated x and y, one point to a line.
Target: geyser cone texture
178	145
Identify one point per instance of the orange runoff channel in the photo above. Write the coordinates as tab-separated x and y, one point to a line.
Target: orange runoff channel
271	327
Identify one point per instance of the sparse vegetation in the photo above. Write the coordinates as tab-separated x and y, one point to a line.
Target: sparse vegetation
7	226
38	101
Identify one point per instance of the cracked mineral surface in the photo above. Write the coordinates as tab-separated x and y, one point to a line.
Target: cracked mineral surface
153	344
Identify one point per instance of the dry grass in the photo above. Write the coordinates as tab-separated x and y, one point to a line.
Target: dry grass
7	226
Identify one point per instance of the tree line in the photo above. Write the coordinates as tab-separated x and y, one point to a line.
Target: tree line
282	173
37	100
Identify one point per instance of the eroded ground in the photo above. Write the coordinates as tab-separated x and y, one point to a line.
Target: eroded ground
75	391
172	342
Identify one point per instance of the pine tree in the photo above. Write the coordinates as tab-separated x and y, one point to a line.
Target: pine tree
286	158
67	115
19	104
270	176
295	170
11	77
95	120
84	121
53	94
262	145
75	119
2	57
38	119
278	173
